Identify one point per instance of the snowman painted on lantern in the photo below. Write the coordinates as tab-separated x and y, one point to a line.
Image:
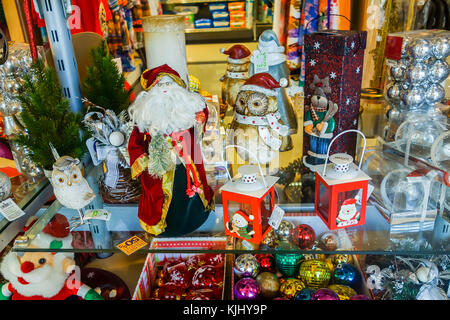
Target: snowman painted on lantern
240	224
319	122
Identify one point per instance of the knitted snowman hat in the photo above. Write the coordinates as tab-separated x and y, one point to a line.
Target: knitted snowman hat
262	82
237	54
55	235
247	218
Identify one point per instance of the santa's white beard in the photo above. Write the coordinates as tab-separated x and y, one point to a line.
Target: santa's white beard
347	212
46	281
166	109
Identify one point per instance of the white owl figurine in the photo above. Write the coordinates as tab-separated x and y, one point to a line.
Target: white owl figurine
70	187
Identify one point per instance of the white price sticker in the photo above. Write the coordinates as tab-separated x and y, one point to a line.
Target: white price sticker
260	63
10	210
99	214
276	217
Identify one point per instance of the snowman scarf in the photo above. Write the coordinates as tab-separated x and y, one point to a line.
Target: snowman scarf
263	123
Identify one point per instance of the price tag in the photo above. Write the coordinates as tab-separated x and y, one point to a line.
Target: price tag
276	217
131	245
260	63
10	210
99	214
370	189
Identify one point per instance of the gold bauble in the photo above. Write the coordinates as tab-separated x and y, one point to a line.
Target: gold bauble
344	292
329	262
269	284
315	274
270	240
290	287
341	258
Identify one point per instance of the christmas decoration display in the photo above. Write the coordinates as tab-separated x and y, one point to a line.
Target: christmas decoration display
266	262
255	198
246	265
340	186
329	241
105	283
238	62
417	69
60	39
247	289
288	263
42	96
408	278
284	230
270	240
256	123
269	58
333	62
5	186
346	274
344	292
108	146
165	117
290	287
315	274
304	294
269	285
325	294
303	236
70	187
44	275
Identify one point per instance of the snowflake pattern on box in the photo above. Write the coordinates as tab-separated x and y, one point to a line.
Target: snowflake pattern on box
338	55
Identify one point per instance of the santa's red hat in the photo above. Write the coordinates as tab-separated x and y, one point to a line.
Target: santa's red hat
237	54
349	202
55	235
151	77
262	82
243	215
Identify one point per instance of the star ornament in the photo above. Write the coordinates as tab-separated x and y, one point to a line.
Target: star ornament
312	62
316	45
333	75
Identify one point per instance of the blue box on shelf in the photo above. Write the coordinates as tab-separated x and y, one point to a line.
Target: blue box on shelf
220	15
202	23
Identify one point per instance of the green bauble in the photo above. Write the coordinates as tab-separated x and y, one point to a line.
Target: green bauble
288	263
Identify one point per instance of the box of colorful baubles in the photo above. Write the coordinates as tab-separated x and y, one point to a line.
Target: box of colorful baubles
180	276
294	275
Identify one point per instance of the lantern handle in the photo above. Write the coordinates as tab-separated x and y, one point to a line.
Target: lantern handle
329	148
251	155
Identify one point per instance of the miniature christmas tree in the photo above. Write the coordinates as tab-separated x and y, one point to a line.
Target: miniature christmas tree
104	84
46	115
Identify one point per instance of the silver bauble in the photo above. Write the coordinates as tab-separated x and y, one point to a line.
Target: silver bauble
416	73
434	93
439	71
246	265
414	97
405	43
284	229
440	46
397	71
419	49
5	186
393	92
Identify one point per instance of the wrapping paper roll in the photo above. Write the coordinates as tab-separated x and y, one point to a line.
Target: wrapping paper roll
280	19
308	24
339	8
293	48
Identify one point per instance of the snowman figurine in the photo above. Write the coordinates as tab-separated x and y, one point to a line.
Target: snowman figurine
239	224
348	214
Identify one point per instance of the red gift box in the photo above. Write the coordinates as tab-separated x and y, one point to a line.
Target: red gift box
336	57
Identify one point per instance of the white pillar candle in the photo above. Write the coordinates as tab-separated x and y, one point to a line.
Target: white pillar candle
165	43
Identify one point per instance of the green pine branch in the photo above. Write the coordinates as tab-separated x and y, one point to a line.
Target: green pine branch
104	84
47	117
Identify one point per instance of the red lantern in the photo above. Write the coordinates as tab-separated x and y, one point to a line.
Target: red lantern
341	189
248	204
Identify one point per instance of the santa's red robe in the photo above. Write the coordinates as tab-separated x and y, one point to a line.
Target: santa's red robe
157	193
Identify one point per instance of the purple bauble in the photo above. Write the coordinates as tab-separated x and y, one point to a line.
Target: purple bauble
246	289
360	297
325	294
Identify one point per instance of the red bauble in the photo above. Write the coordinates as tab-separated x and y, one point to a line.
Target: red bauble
216	260
303	236
195	262
207	277
170	291
180	275
266	262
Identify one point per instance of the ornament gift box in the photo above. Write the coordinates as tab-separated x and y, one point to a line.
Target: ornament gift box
147	280
338	56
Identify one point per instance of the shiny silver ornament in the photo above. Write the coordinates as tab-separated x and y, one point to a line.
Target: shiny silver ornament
397	71
405	43
419	49
439	71
416	73
435	93
414	97
440	46
246	265
5	186
393	92
284	229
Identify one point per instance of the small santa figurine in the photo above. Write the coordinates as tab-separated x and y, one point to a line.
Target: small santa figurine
44	275
165	154
239	225
348	214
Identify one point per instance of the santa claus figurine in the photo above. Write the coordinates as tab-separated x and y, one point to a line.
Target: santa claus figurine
165	154
45	275
348	214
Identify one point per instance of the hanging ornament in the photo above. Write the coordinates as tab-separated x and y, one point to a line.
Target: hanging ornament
414	97
329	241
398	71
315	274
246	265
270	240
304	294
288	263
269	284
247	289
303	236
325	294
266	262
208	276
439	71
419	49
284	230
440	47
348	275
341	258
344	292
416	73
291	287
435	93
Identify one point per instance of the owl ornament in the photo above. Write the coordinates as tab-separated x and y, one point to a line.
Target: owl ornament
256	124
237	73
70	187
